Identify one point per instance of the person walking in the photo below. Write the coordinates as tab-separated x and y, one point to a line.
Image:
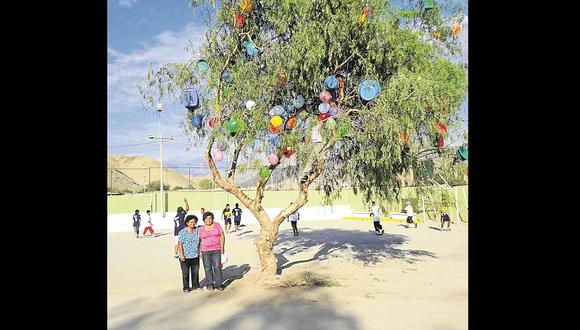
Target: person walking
409	211
149	226
237	212
227	218
294	217
376	214
445	218
136	222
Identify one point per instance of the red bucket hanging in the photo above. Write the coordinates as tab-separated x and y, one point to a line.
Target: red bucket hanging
239	19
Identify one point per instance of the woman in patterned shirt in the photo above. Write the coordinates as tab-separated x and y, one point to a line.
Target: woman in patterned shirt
188	245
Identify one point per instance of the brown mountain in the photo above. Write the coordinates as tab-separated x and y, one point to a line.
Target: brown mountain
135	173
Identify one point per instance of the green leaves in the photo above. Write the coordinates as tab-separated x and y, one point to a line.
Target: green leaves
307	40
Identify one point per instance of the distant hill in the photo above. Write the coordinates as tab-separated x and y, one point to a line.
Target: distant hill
135	172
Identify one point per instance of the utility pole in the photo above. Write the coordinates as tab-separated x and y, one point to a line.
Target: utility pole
161	139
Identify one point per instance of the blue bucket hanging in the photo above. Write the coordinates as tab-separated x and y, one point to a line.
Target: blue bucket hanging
277	111
202	65
251	49
191	99
197	121
275	140
331	82
369	89
227	77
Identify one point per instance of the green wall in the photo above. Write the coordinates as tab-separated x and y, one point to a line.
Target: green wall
217	200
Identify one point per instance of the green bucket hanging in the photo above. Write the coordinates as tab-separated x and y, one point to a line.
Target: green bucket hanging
429	4
462	153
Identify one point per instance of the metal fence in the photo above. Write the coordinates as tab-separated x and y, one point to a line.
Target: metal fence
132	179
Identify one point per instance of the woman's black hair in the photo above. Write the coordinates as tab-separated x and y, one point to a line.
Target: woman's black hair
189	217
206	214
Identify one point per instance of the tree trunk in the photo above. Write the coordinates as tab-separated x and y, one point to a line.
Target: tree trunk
265	243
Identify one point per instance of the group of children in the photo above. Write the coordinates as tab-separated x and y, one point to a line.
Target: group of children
137	223
375	213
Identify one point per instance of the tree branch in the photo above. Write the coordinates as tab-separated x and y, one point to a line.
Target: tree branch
225	185
261	184
232	173
316	168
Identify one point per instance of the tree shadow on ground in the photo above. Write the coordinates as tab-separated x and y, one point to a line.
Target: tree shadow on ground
291	308
281	308
364	247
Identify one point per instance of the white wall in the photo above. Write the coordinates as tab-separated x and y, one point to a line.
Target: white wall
123	222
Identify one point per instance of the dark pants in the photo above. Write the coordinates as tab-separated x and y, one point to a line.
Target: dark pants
294	228
190	266
378	226
213	271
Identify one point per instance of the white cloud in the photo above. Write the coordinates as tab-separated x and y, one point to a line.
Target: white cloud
127	3
126	70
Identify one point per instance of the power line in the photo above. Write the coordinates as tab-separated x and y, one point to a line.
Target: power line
131	145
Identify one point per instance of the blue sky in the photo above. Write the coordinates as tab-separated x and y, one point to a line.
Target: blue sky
141	32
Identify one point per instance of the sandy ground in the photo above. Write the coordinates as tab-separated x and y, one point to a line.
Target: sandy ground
405	279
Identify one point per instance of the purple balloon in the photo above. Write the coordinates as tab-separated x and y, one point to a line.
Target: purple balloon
333	111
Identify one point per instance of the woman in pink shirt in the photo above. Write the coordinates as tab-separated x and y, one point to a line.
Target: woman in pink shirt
212	241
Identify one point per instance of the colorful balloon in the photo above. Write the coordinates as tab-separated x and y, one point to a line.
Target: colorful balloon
214	121
291	123
250	104
233	125
441	128
287	152
298	102
456	29
246	5
218	155
222	146
333	111
343	129
331	82
239	19
273	159
330	123
441	143
325	96
323	107
276	121
264	172
274	130
278	110
323	116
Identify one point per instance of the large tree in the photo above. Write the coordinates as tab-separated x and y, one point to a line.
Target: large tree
274	51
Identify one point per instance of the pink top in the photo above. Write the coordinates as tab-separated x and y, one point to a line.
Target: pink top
210	240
